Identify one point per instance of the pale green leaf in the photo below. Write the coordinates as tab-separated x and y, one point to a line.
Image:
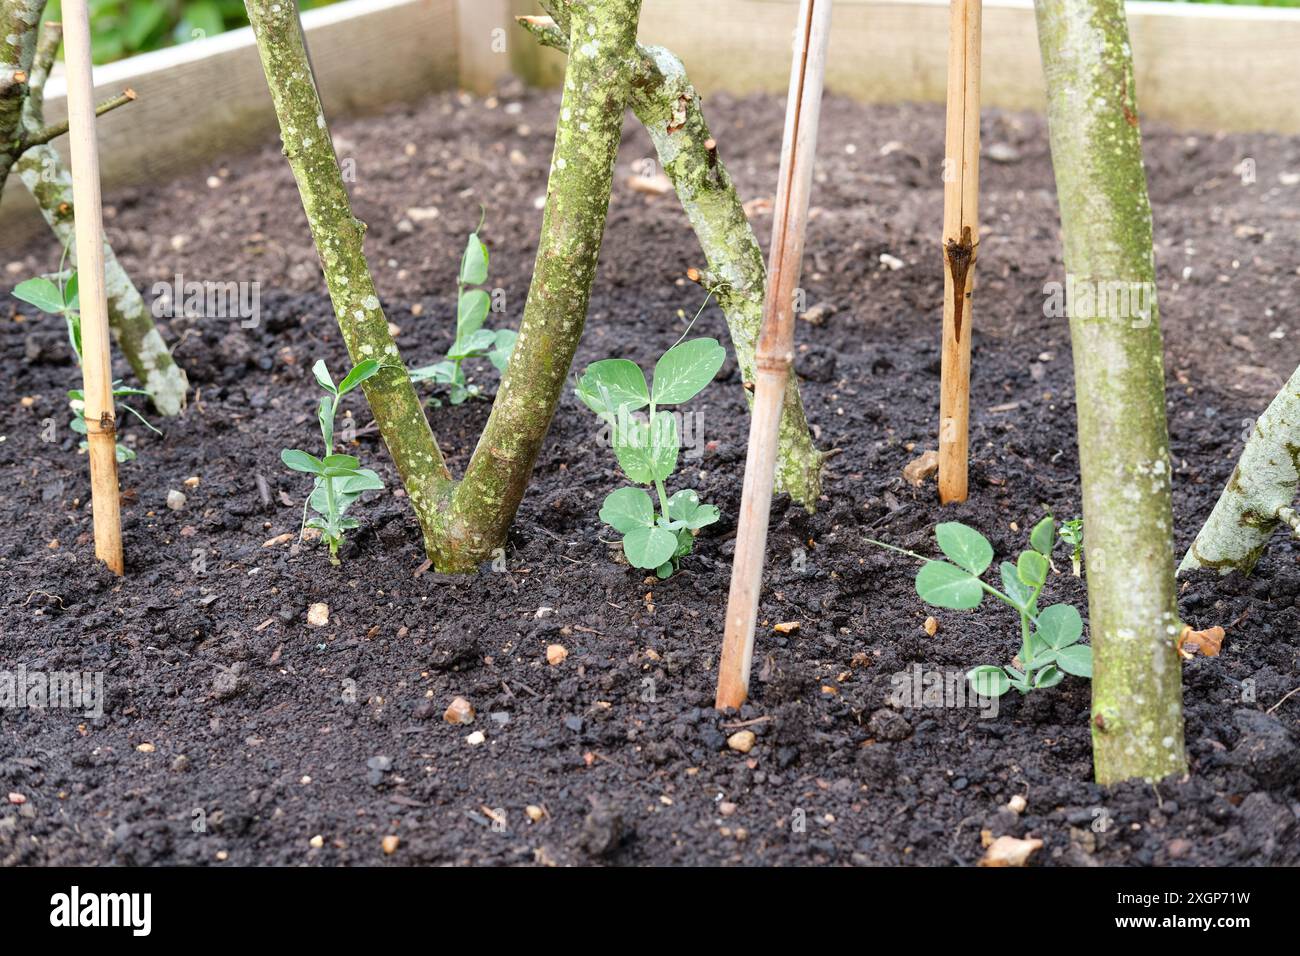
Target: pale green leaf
685	369
964	546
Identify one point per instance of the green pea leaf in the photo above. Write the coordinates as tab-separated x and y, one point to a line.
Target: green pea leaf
301	461
473	345
502	347
1075	659
685	507
1059	625
649	548
685	369
361	372
1018	592
323	377
1043	536
1048	677
647	454
474	263
964	546
42	293
943	585
613	384
441	372
1031	568
988	681
471	310
339	466
627	509
71	297
363	479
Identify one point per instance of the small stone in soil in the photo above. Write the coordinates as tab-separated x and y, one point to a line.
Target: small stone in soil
475	738
534	812
175	500
381	763
741	741
390	844
556	654
318	615
919	469
459	711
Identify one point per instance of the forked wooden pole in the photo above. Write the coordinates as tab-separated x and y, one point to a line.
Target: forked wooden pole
961	173
775	352
96	365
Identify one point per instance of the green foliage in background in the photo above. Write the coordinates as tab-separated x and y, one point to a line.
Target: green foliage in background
124	27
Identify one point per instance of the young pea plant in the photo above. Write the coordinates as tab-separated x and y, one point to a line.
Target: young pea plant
472	340
61	298
1049	647
1072	534
647	449
340	479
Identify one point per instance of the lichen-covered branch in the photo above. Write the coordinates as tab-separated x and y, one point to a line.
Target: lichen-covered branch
1259	494
666	103
339	239
19	20
1137	724
587	135
42	171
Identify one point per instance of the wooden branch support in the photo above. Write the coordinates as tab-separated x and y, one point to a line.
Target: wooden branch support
961	168
96	364
775	353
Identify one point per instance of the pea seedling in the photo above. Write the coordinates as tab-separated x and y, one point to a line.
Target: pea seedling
472	340
647	449
61	299
1050	646
1072	534
340	479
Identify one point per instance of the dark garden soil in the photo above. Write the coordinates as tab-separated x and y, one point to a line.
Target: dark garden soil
229	715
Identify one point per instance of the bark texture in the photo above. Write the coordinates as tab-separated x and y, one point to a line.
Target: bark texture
1259	494
464	522
19	23
1137	725
40	169
587	135
339	239
666	103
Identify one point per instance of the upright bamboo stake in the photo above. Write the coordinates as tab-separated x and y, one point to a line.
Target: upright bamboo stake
961	169
96	365
775	352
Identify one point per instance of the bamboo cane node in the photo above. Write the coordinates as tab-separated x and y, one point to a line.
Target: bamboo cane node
106	425
780	364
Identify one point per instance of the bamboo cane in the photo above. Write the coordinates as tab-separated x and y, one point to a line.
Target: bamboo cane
775	352
96	365
960	241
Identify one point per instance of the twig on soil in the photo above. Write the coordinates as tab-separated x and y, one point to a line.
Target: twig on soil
738	724
1289	695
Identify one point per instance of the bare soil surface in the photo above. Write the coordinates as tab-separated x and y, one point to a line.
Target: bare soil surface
233	731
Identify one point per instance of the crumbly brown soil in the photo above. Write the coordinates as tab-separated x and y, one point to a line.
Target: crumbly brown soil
278	732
